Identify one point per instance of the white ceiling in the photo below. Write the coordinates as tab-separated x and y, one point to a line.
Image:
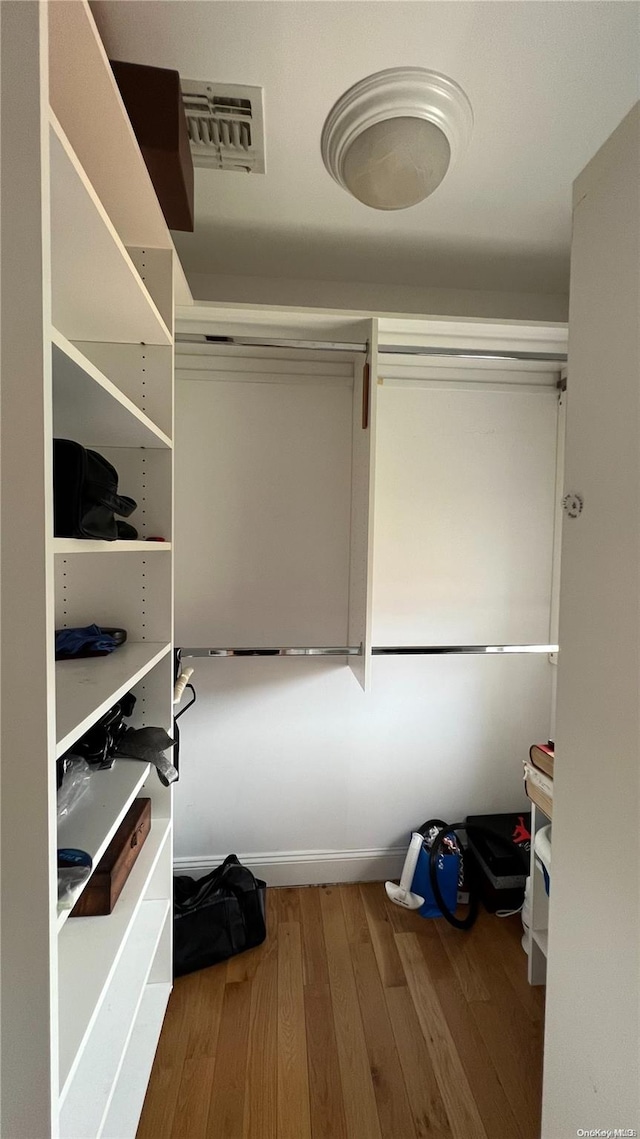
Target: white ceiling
548	81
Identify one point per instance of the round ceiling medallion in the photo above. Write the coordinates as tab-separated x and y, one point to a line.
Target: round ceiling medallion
390	139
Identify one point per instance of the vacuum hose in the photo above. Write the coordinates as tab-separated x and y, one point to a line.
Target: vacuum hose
445	831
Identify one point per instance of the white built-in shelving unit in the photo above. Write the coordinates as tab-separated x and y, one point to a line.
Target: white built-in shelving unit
538	935
87	354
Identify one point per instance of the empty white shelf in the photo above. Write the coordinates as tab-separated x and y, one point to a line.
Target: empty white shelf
128	1097
97	293
94	546
89	1093
541	938
89	408
96	818
87	688
94	952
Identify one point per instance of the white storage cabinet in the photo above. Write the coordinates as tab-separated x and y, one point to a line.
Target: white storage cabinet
88	270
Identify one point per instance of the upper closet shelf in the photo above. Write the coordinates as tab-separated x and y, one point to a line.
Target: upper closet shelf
110	155
98	127
89	408
97	293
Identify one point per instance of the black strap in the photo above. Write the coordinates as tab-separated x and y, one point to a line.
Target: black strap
444	831
119	503
474	899
190	704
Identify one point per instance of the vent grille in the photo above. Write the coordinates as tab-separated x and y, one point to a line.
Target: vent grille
226	125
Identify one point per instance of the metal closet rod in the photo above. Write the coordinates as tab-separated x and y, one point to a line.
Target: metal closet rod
381	650
383	349
470	353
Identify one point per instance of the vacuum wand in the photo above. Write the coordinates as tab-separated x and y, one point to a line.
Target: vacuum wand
181	684
402	895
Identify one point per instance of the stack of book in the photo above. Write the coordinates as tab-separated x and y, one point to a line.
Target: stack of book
538	777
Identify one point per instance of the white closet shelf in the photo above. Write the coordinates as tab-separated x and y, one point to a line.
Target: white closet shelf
87	688
111	154
128	1097
93	1083
96	818
97	293
96	957
541	938
94	546
88	407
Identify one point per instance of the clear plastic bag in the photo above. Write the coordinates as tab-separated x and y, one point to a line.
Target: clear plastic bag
71	879
75	783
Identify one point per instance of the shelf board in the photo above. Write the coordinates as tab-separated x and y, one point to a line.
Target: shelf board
93	1083
98	126
126	1105
97	293
96	818
94	546
541	938
111	155
95	953
89	408
86	688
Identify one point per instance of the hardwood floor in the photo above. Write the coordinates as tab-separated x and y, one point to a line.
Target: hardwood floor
355	1020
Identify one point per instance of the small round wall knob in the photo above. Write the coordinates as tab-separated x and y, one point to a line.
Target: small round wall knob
573	504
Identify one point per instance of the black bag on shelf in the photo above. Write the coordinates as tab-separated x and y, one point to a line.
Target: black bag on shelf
99	745
85	495
216	917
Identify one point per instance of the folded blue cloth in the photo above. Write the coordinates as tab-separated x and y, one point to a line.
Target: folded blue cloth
83	642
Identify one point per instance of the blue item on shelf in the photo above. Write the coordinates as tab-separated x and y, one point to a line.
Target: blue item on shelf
90	640
71	856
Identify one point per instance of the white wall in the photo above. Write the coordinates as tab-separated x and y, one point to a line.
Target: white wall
287	762
370	296
592	1047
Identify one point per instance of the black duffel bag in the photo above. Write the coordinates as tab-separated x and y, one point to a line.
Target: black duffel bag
85	495
217	916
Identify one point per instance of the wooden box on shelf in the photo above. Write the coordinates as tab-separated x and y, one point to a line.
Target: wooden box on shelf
153	99
107	881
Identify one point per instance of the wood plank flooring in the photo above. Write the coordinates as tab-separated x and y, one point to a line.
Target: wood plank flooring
355	1020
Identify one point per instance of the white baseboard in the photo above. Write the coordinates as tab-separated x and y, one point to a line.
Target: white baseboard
307	867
